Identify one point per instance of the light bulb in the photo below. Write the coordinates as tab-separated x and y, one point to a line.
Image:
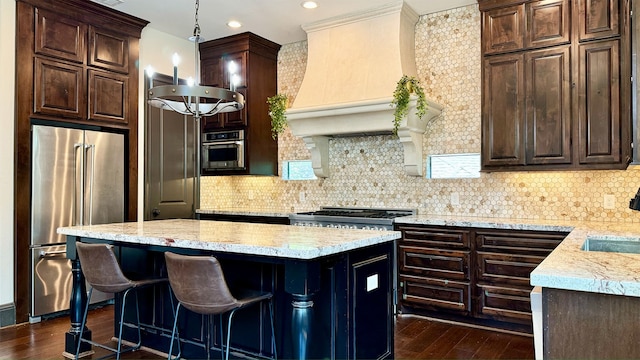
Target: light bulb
233	67
149	70
176	59
190	81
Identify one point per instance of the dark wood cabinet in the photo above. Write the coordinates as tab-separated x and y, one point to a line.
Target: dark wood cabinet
108	50
257	61
76	66
503	111
108	97
471	275
434	269
556	78
59	89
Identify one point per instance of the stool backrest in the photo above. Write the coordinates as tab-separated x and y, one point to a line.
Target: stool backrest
199	284
101	269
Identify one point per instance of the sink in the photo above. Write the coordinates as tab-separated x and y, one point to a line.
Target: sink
615	244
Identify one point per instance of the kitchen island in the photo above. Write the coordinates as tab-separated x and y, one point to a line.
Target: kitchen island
332	287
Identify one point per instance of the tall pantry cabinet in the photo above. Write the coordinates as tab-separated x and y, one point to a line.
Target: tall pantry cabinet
556	84
76	66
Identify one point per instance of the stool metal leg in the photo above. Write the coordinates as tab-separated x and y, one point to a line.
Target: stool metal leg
229	332
173	333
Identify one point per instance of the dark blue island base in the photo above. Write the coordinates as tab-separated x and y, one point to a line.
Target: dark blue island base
334	307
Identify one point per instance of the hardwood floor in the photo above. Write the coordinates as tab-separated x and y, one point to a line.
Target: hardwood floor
415	338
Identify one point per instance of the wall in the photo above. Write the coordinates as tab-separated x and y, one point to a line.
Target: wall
7	79
367	171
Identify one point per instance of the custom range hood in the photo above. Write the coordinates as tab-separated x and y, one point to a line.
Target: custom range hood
354	62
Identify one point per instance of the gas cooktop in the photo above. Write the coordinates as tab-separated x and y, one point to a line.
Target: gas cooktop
350	218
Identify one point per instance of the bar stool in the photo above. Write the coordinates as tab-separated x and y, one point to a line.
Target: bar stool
199	285
102	271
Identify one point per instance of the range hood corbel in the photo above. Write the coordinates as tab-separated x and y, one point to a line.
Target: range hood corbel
373	117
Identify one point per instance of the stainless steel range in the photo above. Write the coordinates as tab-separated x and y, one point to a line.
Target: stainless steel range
350	218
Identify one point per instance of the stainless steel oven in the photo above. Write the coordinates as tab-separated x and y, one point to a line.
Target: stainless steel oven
223	150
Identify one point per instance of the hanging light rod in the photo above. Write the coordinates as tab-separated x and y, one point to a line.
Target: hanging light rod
187	99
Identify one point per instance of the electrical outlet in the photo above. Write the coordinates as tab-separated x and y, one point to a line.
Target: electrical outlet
301	196
609	202
455	198
251	195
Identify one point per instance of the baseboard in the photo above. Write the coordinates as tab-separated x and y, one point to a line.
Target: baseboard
7	315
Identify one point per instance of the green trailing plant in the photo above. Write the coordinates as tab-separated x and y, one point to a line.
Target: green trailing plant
406	86
278	113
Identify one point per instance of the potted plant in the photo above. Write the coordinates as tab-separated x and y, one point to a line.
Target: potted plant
277	112
406	86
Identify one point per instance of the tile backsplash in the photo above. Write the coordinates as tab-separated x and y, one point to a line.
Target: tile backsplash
367	171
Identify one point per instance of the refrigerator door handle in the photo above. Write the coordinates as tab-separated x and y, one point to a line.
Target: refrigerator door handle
77	193
59	253
92	148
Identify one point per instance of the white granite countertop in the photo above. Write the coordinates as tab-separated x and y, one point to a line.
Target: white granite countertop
567	267
281	241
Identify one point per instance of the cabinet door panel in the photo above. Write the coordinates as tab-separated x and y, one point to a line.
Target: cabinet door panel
503	29
58	89
505	268
59	37
548	23
504	303
108	50
598	18
503	111
435	294
418	236
599	131
237	118
446	264
108	94
548	106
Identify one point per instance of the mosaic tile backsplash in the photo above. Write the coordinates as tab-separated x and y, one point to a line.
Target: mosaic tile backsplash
367	171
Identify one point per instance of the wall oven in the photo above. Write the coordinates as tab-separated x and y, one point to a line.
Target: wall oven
223	150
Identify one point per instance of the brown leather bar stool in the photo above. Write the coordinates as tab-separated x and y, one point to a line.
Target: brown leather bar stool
102	271
199	285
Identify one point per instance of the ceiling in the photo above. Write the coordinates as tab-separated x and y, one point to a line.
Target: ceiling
276	20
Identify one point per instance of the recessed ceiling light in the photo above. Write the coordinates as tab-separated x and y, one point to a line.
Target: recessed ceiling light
110	2
309	4
234	24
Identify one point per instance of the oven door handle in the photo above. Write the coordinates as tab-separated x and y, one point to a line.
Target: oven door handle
214	144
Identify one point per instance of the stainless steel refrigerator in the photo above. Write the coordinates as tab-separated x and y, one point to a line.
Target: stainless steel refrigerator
77	178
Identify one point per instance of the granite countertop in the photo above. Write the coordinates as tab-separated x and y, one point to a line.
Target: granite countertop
567	267
280	241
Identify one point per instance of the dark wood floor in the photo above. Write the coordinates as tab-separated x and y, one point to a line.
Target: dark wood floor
415	338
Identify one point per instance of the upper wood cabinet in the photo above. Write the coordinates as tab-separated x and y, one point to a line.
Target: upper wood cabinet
556	84
521	26
257	61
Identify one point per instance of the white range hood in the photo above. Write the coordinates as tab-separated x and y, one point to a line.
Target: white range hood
354	62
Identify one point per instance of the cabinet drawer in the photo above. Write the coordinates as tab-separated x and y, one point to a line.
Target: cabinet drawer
532	243
435	294
447	264
506	269
434	237
504	303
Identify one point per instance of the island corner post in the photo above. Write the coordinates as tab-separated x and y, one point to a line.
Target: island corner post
338	306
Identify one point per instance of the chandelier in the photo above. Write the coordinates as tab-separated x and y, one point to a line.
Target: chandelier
188	99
